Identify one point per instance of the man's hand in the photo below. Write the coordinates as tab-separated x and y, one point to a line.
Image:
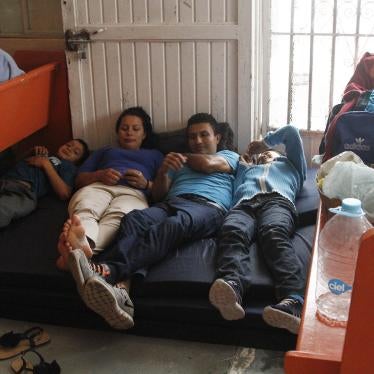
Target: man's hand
256	147
110	176
247	159
135	178
173	161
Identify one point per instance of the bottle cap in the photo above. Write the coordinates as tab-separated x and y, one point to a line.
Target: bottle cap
350	207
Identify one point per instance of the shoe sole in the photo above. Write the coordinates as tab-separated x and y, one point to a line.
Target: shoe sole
99	298
224	298
283	320
76	260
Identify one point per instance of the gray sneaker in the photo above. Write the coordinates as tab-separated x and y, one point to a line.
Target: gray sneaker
224	297
82	269
110	302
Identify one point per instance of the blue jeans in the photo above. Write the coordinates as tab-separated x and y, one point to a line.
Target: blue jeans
271	221
16	201
147	236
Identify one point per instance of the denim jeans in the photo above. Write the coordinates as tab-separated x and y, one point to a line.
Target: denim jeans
271	221
147	236
16	201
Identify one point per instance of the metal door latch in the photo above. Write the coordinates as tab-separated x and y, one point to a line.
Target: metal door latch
76	41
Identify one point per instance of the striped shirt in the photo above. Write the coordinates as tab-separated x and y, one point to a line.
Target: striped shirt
285	175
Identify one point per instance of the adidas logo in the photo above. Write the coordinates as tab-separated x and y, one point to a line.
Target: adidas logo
357	145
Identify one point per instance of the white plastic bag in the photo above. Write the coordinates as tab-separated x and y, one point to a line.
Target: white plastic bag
348	179
329	164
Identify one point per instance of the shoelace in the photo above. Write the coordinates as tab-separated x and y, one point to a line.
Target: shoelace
235	287
293	304
125	296
100	269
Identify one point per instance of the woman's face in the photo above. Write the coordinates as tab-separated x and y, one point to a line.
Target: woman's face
131	132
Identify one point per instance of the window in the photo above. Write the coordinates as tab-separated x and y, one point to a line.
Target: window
313	48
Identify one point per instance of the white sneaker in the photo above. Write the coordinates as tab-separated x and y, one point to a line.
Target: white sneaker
110	302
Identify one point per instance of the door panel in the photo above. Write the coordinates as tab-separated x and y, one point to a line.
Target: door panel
173	57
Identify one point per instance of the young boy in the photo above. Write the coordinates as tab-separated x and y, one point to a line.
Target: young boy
264	208
37	175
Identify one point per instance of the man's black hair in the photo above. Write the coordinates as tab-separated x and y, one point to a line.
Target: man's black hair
86	151
138	111
203	118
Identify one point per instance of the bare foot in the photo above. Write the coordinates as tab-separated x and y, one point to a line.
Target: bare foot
64	249
76	237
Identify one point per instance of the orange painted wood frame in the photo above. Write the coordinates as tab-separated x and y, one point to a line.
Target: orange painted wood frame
25	104
324	350
59	129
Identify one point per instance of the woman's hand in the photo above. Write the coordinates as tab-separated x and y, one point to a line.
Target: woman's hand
110	177
136	179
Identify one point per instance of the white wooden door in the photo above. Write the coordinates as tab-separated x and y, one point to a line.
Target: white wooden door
173	57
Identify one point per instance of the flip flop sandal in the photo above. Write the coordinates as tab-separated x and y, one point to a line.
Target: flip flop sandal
12	344
20	365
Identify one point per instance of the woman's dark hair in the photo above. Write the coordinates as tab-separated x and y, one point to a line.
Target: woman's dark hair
203	118
138	111
227	137
86	151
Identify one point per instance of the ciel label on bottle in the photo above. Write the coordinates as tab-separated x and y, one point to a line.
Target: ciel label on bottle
337	286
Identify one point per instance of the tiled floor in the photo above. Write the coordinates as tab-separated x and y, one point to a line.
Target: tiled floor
90	351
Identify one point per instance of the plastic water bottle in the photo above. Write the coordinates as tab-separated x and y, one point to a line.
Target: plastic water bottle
337	255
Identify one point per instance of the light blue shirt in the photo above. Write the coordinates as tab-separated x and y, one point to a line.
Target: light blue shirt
8	67
285	175
216	187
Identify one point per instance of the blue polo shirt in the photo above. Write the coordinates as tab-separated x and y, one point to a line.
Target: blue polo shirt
216	187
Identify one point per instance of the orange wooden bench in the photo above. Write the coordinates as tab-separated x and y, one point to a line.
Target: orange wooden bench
25	104
322	349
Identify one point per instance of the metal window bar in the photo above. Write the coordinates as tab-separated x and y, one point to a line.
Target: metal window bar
311	55
290	71
358	18
312	34
333	41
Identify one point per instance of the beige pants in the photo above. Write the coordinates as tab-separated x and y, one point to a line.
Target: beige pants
101	207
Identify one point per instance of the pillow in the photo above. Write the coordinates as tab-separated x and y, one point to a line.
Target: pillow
172	141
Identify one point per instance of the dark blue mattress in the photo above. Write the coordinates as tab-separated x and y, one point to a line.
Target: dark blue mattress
172	301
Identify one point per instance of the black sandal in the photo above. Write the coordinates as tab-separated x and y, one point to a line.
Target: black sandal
21	365
12	344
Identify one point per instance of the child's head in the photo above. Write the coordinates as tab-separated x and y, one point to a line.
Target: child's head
75	150
267	157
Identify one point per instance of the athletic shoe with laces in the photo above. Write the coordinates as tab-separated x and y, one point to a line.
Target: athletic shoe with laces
226	298
110	302
286	314
82	269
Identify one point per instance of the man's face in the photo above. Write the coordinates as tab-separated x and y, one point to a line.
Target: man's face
201	138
